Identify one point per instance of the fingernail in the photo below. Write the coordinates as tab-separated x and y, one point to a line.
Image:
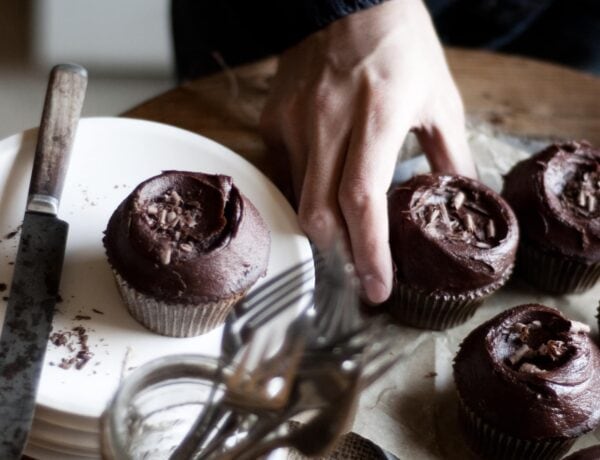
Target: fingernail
375	289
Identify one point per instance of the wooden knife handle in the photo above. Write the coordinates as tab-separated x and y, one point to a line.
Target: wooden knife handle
62	108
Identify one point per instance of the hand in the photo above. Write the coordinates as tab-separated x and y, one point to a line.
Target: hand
341	105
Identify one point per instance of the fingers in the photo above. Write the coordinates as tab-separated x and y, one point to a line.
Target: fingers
318	211
283	129
444	141
376	138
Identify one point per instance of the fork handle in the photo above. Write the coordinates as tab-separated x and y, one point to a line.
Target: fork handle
256	449
261	439
215	416
263	448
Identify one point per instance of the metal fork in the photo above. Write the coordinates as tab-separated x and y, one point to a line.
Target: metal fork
317	435
266	302
337	337
268	386
330	383
317	386
337	318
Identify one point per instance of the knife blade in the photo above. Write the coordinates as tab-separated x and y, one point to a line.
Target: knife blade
38	266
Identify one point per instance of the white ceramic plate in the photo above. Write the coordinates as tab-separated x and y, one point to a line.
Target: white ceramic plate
110	157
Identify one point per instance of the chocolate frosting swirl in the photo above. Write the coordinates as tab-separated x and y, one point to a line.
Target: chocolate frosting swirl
531	373
185	237
556	195
450	233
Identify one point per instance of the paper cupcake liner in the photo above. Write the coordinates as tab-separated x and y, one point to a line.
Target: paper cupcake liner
174	319
490	443
438	310
553	272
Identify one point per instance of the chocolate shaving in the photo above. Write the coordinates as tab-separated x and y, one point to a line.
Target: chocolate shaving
469	223
478	209
172	216
458	200
592	201
581	192
553	349
444	214
491	229
522	352
165	255
186	247
82	318
14	233
455	215
76	341
529	368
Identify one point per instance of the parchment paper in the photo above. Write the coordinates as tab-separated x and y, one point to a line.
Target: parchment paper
411	411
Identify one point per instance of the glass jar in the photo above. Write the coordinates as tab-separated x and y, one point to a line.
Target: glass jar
155	407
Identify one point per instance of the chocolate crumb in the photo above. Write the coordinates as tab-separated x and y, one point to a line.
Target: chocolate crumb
59	338
67	363
81	318
5	298
97	311
12	234
3	287
76	341
496	118
430	375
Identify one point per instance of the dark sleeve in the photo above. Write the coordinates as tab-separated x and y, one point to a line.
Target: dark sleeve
240	31
294	20
484	23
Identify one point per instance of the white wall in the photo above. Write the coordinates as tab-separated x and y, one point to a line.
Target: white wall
108	36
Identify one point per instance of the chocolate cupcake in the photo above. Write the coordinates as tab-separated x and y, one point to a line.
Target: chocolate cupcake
184	247
528	382
453	241
555	195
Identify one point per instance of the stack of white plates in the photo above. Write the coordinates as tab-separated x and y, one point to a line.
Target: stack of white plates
110	157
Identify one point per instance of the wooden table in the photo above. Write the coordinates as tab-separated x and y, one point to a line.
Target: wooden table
520	96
